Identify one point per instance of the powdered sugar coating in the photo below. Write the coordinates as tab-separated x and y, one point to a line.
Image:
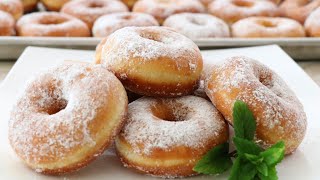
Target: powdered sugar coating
312	24
233	10
267	27
51	24
41	133
7	24
161	9
197	26
278	112
201	122
90	10
107	24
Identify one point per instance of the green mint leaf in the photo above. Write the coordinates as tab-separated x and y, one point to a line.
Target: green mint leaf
254	159
273	155
243	121
242	170
263	169
216	161
272	174
244	146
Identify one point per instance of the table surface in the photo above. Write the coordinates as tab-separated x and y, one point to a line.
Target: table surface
312	68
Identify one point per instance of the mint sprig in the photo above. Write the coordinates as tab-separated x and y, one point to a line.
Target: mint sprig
250	161
215	161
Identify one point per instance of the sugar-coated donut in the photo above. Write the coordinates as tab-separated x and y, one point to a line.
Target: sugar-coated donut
66	117
7	24
200	92
197	26
260	27
29	5
312	24
90	10
54	5
51	24
153	61
298	9
166	137
129	3
107	24
13	7
234	10
278	112
161	9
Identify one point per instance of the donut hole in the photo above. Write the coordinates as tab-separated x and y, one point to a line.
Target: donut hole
242	3
151	36
170	111
266	79
196	21
52	21
95	5
126	17
56	106
267	24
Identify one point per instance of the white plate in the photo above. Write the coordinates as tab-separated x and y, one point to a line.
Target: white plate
303	164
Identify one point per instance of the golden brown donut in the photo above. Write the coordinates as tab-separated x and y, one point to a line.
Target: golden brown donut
234	10
90	10
7	24
66	117
312	24
153	61
264	27
29	5
109	23
51	24
298	9
54	5
98	51
278	112
13	7
166	137
129	3
161	9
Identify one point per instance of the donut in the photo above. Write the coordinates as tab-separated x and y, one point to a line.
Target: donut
234	10
66	117
161	9
29	5
153	61
260	27
7	24
166	137
279	114
107	24
197	26
298	9
54	5
129	3
90	10
13	7
51	24
312	24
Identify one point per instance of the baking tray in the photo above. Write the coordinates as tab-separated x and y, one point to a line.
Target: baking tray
297	48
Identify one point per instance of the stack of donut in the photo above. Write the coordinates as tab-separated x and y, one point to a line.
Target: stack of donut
196	19
68	116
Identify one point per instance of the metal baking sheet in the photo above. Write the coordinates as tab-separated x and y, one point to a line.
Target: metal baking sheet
297	48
